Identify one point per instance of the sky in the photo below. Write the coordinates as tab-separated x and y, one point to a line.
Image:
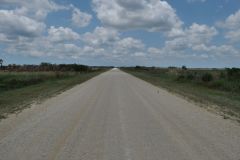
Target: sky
195	33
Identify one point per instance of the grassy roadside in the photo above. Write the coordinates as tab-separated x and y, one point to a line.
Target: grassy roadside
19	90
218	99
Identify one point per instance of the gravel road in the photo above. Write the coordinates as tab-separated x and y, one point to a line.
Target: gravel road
116	116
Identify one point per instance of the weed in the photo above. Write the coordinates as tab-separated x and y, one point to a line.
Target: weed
219	87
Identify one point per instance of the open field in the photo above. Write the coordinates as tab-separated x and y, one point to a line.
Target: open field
218	90
19	89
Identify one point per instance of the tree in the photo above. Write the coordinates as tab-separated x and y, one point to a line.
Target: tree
184	68
1	62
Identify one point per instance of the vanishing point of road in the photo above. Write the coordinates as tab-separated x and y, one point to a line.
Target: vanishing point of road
116	116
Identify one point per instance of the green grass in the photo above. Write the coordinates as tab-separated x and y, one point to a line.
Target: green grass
19	90
225	98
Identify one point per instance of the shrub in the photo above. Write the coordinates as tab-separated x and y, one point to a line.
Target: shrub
190	76
180	77
207	77
217	85
233	73
222	75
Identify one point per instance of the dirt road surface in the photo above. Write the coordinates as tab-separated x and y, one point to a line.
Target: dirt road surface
116	116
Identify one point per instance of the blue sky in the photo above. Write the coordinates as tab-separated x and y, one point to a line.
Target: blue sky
196	33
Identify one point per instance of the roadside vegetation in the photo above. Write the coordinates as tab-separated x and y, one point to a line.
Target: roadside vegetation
216	89
23	85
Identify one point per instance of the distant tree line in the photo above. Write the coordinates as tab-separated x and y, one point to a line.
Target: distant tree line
184	73
44	66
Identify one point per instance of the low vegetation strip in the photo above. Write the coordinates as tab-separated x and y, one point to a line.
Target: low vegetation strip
19	89
217	89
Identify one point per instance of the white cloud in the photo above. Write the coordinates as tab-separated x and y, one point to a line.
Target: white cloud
36	47
37	9
107	43
43	47
22	31
62	34
233	35
151	15
13	25
128	46
60	42
66	50
201	51
80	19
101	36
232	22
213	50
129	43
196	38
200	33
154	51
194	35
232	25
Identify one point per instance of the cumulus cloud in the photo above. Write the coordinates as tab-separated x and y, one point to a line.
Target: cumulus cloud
151	15
232	22
201	51
108	43
62	34
22	31
213	50
60	42
197	33
194	42
233	35
13	25
101	36
80	19
37	9
128	46
43	47
232	25
129	43
154	51
194	35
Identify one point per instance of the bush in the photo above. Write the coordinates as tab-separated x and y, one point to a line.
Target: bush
207	77
180	77
222	75
217	85
233	73
190	76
